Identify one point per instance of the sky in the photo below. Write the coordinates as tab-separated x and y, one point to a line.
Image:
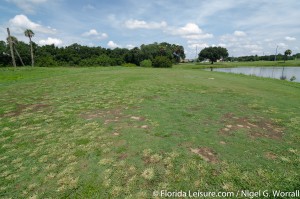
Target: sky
243	27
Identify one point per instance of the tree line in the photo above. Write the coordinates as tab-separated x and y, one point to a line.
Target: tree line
279	57
147	55
219	53
156	55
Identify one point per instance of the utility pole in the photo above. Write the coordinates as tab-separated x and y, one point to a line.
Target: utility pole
11	48
196	54
276	52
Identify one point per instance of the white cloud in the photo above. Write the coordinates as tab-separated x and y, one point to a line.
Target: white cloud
135	24
198	36
27	5
268	40
95	33
222	45
252	47
228	38
21	22
239	33
282	45
50	41
190	31
91	32
198	45
290	38
239	43
237	36
192	44
113	45
130	46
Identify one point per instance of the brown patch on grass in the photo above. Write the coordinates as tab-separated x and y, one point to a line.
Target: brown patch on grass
176	134
114	116
123	156
90	116
270	155
195	108
137	118
120	143
116	134
149	160
260	128
206	153
222	142
145	127
152	97
25	107
108	114
186	144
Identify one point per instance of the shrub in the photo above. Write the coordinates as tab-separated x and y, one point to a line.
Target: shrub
162	62
117	61
146	63
129	65
102	60
46	61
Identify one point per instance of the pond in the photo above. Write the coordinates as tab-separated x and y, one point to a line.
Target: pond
270	72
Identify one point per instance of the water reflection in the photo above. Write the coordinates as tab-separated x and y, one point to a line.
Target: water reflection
271	72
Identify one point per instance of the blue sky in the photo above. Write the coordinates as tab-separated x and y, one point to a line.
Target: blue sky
243	27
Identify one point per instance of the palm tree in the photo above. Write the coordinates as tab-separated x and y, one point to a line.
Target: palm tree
14	42
29	33
11	48
287	53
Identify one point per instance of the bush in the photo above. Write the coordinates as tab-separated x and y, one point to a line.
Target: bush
117	61
162	62
146	63
102	60
46	61
129	65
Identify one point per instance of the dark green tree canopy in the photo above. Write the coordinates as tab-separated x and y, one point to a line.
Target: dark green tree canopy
162	62
287	52
79	55
213	54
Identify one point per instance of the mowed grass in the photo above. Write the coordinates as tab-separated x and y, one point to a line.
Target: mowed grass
125	132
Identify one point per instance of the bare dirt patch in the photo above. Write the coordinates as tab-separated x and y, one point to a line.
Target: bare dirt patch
259	128
122	156
137	118
115	116
107	114
145	127
25	108
186	144
116	134
120	143
206	153
270	155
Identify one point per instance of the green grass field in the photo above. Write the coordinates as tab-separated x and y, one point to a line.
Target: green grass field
121	132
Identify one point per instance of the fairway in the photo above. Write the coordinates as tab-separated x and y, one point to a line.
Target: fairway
117	132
